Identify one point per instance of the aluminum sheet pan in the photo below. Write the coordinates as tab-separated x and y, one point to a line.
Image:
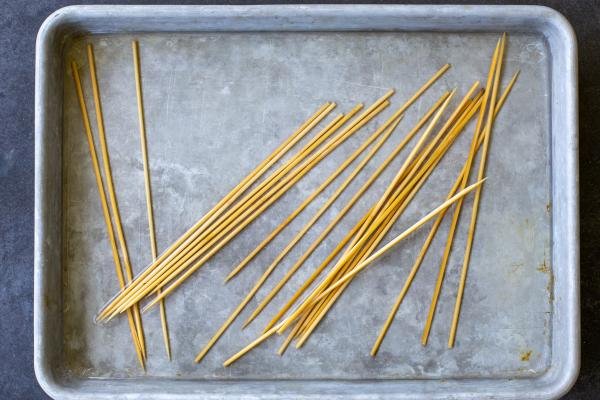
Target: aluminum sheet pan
223	86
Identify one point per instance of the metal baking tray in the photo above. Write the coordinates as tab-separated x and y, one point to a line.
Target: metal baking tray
224	85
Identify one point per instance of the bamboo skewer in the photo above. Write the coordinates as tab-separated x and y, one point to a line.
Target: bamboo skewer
455	216
355	246
147	184
113	304
475	209
338	217
233	195
292	176
404	195
391	213
250	346
274	264
111	190
304	204
400	237
395	119
416	266
104	203
341	214
303	169
195	241
260	190
411	100
293	334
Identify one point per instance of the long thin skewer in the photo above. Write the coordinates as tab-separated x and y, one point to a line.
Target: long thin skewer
104	203
395	120
111	190
196	242
341	214
230	198
361	236
338	217
476	200
293	333
250	346
105	313
390	214
415	268
270	269
304	204
277	328
239	211
147	183
456	214
429	83
402	197
304	168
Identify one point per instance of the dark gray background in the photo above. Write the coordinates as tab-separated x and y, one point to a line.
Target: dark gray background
19	22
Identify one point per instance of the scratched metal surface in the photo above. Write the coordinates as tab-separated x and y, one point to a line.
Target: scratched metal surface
216	104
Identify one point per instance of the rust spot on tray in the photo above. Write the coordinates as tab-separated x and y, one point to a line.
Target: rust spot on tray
525	355
544	267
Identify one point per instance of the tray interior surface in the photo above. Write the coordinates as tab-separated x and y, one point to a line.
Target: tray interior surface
216	104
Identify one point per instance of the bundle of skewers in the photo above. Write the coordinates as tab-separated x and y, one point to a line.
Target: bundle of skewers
361	246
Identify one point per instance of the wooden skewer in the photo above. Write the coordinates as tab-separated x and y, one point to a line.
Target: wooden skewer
111	190
402	199
310	162
304	204
476	200
344	280
273	265
233	195
343	212
456	214
197	241
415	268
403	196
285	169
277	191
338	217
303	170
104	203
431	81
147	184
428	167
315	274
354	247
394	120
